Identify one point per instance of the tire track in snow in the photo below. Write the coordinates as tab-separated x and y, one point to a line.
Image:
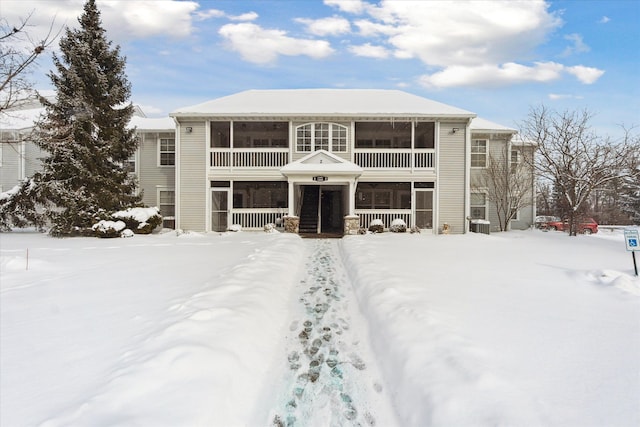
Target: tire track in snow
333	379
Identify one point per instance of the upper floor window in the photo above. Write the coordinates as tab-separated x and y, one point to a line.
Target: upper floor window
321	136
260	134
478	153
515	159
425	135
130	164
167	148
220	132
383	134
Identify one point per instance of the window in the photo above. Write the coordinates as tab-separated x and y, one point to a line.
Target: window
130	164
258	195
167	205
383	134
478	206
220	134
425	135
515	159
383	195
479	153
260	134
321	136
167	151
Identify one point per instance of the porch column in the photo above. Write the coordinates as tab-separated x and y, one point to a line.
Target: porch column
352	197
291	201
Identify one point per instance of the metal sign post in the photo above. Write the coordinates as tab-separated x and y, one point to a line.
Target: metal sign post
632	241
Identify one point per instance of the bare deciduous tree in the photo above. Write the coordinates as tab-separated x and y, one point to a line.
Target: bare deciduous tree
508	184
572	156
17	53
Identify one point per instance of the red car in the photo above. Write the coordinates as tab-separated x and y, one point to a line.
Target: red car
586	226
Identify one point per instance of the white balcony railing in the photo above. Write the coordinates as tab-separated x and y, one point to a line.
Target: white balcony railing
248	158
257	218
387	216
278	157
395	159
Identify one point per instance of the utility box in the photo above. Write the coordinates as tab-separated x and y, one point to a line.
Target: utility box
480	226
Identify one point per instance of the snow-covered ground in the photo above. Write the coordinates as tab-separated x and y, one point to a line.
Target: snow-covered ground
519	328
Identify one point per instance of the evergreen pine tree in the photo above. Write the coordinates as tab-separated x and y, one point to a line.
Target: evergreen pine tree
85	133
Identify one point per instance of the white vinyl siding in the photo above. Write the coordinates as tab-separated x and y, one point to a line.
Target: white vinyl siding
150	175
193	178
451	184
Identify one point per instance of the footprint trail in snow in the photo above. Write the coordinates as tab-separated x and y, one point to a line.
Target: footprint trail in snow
332	377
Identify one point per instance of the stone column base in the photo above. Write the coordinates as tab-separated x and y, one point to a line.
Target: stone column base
291	224
351	225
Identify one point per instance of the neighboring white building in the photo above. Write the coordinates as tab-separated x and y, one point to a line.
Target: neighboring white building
318	154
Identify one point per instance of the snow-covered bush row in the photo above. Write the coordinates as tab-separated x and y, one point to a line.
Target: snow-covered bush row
376	226
140	220
108	229
398	226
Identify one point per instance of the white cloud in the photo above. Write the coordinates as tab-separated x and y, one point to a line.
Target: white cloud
263	46
445	33
333	25
370	51
559	96
368	28
491	75
349	6
604	20
249	16
149	18
578	45
209	13
586	75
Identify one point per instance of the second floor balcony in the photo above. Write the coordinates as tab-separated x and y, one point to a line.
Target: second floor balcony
275	158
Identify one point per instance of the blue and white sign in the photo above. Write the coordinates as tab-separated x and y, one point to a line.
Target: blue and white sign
632	240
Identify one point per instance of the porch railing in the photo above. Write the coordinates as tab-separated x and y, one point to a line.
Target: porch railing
387	216
248	158
395	159
257	218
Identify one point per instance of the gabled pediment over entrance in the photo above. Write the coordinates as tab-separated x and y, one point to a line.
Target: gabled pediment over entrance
322	162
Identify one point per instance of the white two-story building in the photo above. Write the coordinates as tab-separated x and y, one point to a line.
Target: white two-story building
326	154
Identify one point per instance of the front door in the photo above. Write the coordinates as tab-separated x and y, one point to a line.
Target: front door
331	212
219	209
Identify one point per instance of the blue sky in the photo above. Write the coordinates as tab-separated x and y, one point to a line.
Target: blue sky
497	59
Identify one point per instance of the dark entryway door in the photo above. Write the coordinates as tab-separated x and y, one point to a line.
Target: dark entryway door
331	211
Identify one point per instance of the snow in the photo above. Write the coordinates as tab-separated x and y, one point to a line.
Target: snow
519	328
141	215
105	225
324	102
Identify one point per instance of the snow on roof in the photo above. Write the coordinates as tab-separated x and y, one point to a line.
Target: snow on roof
18	120
24	119
324	102
153	124
480	124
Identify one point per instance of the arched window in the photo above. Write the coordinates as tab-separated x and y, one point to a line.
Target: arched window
321	136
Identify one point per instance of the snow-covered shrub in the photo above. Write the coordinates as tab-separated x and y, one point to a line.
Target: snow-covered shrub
376	226
270	228
415	230
140	220
108	229
398	226
126	233
235	227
